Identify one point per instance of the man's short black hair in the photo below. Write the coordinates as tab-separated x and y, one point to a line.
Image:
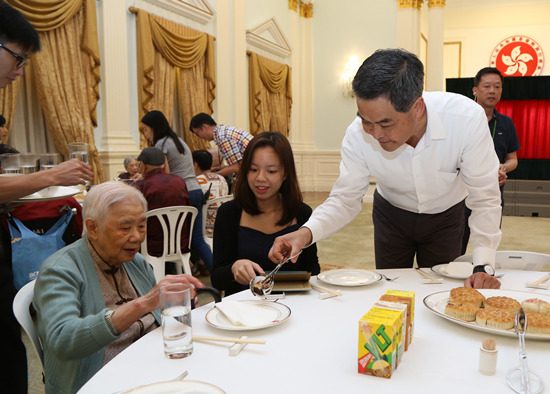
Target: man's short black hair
14	28
394	74
199	119
5	148
485	71
203	158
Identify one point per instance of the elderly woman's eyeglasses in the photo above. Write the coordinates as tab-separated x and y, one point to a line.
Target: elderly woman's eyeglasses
21	61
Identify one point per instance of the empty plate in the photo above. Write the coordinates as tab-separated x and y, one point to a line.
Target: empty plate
350	277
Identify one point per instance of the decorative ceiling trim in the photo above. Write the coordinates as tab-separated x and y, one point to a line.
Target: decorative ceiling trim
197	10
269	37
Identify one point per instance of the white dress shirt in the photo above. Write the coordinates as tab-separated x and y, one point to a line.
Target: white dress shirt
454	158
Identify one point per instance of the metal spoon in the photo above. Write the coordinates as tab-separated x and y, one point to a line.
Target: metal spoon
388	279
261	285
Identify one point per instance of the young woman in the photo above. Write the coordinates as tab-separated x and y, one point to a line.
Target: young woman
268	203
179	161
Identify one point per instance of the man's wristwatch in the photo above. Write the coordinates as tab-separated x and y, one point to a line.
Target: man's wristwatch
486	268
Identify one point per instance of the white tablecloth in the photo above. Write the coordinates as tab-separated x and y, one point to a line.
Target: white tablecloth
315	350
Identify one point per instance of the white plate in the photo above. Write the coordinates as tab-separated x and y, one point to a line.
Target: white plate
349	277
436	303
51	193
216	319
178	387
441	269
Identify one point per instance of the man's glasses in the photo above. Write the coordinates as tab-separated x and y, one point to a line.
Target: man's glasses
21	61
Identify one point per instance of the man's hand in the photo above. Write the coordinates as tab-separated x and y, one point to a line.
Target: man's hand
290	244
70	173
502	175
480	280
245	270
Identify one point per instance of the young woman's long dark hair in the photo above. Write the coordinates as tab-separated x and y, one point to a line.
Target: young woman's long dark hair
161	128
290	189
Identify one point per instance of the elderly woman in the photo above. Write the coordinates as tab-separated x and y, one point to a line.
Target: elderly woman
132	167
97	296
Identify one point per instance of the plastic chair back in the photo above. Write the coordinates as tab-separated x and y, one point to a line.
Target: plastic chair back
512	259
215	201
21	310
176	217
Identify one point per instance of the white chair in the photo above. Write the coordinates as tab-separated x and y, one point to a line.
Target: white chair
176	217
21	310
215	201
512	259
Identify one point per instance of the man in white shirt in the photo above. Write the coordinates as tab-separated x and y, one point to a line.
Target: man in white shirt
427	152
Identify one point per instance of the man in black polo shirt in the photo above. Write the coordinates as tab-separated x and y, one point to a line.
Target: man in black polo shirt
487	92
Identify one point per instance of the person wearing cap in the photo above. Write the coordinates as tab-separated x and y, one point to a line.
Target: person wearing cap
160	190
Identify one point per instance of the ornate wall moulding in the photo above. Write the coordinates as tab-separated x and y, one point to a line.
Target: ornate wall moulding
197	10
269	37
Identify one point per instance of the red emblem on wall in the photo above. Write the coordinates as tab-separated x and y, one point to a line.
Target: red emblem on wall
518	56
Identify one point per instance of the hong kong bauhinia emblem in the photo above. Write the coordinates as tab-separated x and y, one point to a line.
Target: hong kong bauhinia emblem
518	56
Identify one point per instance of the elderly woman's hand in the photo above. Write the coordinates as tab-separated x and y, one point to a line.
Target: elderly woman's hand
130	312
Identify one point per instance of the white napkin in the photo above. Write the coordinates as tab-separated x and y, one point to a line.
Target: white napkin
247	314
460	268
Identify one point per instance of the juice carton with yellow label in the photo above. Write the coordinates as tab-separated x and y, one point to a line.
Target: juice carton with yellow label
384	308
378	345
406	297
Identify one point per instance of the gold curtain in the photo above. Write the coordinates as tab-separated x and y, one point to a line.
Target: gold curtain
191	56
67	70
8	98
270	95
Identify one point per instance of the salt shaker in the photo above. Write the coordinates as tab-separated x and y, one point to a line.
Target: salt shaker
488	356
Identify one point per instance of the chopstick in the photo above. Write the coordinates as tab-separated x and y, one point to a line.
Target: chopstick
325	289
541	280
425	275
225	339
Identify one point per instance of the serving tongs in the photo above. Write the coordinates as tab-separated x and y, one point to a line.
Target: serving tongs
524	371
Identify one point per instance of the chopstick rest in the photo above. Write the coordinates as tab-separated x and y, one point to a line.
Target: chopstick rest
428	279
236	348
539	283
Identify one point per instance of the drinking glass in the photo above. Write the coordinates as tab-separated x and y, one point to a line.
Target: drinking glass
175	308
28	163
80	151
10	163
49	160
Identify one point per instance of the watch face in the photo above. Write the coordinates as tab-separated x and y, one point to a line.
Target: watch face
489	270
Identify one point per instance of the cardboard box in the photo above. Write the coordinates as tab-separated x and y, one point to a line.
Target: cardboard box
406	297
377	354
406	321
380	311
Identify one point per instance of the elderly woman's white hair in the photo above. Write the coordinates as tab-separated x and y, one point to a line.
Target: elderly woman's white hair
102	197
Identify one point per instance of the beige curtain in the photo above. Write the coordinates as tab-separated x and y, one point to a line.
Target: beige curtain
67	70
8	98
190	55
270	95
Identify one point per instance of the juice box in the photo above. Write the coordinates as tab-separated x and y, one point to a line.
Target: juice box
406	297
404	327
399	339
378	345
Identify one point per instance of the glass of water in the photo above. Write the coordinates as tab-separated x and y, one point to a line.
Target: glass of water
28	163
49	160
175	308
10	163
80	151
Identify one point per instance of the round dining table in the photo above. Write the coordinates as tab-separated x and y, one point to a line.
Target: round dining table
315	350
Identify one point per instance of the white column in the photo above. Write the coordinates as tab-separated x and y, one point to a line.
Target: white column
301	118
408	25
231	64
434	74
116	142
